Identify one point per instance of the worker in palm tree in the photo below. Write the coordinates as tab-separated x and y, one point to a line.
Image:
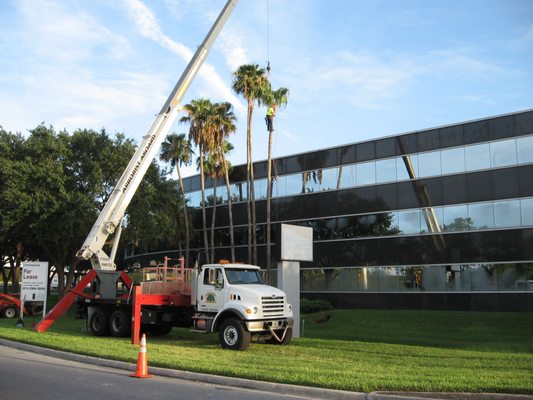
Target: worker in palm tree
271	113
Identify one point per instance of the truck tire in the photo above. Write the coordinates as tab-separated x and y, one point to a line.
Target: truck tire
232	335
10	311
120	323
286	340
99	322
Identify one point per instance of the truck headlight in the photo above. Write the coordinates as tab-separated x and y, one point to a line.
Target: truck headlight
289	307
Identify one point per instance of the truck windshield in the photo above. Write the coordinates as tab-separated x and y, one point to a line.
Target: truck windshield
243	276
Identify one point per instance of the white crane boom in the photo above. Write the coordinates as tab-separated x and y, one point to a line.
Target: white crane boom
116	206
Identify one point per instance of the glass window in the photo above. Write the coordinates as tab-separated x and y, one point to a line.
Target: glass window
506	213
453	160
483	277
281	185
509	277
458	278
481	215
195	199
209	199
347	175
238	191
477	157
433	218
312	180
366	173
402	172
524	147
386	170
433	278
293	184
429	164
503	153
409	221
389	279
456	218
329	179
411	278
367	279
526	207
260	188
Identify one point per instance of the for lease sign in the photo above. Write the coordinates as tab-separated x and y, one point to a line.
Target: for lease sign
34	281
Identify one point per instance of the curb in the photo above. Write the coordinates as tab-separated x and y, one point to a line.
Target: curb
294	390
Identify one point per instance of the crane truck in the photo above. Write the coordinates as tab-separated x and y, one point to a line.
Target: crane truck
230	299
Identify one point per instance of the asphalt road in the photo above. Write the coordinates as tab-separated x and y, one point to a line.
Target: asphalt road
25	375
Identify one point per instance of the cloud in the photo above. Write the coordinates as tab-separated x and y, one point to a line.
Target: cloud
148	26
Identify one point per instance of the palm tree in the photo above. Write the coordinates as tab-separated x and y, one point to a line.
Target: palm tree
213	169
222	124
279	98
198	112
178	151
251	81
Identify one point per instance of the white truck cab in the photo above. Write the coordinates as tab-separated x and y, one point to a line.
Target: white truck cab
233	300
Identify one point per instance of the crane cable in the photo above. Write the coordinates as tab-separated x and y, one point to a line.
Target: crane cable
268	39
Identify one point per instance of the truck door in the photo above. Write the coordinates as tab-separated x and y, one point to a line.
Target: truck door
211	291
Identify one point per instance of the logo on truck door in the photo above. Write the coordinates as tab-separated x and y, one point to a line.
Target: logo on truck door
210	298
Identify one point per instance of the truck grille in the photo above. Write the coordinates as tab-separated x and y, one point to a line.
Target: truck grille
273	306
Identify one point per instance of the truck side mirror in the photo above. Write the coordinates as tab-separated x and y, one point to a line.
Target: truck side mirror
212	276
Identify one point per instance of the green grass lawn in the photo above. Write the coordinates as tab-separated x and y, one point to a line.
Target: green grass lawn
358	350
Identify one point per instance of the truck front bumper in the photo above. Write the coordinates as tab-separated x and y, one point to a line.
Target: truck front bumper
265	324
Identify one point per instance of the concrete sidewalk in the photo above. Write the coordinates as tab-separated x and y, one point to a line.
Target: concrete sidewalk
302	391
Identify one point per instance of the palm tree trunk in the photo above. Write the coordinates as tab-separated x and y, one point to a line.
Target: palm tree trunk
185	215
269	197
339	179
230	211
213	220
204	219
248	177
252	189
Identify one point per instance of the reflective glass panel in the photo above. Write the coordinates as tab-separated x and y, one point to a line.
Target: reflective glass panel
429	164
481	215
260	188
432	219
367	279
329	179
312	180
526	208
386	170
503	153
282	185
509	277
238	191
524	147
208	197
483	277
409	221
477	157
389	279
410	278
402	172
365	173
456	218
347	175
453	160
195	199
507	213
293	184
458	277
433	278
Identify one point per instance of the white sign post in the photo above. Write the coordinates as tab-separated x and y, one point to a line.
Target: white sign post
34	282
296	246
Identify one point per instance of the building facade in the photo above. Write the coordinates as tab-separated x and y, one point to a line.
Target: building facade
434	219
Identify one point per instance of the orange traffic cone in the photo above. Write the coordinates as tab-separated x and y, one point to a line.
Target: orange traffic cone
142	361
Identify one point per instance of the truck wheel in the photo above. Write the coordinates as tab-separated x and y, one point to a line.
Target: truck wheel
120	323
10	312
232	335
99	322
286	340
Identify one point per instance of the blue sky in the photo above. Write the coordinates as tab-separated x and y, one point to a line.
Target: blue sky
356	69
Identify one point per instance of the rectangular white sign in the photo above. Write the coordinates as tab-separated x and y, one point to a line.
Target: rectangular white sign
296	243
34	281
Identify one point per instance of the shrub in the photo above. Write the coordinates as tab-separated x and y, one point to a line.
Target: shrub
312	306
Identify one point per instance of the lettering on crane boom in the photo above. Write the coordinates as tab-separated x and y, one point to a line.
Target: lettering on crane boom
138	163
